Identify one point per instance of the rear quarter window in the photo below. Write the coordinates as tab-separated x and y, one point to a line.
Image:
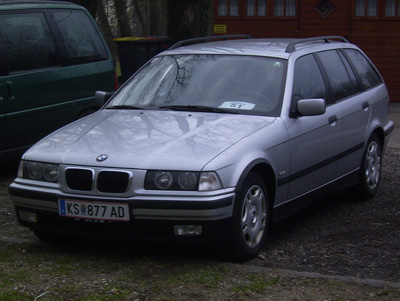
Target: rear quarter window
80	36
366	72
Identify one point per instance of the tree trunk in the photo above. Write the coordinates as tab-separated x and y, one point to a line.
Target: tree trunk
140	17
106	29
122	18
158	18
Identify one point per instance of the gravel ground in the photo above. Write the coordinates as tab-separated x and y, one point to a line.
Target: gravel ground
337	235
342	236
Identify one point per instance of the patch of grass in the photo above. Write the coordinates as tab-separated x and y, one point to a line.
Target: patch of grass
16	276
5	280
387	291
254	283
6	256
66	260
210	277
74	274
13	295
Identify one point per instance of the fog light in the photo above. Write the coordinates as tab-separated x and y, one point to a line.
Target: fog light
28	216
188	230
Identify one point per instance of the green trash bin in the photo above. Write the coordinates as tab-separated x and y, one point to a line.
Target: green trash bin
134	52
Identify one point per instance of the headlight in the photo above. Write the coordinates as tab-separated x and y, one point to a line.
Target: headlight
182	180
50	172
34	170
163	179
187	180
40	171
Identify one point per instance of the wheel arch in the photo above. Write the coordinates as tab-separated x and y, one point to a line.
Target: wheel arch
265	170
381	135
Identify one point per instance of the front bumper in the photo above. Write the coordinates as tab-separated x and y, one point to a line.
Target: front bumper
150	215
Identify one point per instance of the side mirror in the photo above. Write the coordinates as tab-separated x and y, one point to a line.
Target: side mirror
101	97
311	107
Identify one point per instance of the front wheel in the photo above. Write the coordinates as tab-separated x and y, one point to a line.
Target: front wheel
250	219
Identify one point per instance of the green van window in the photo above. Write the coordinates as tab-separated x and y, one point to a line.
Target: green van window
81	38
27	42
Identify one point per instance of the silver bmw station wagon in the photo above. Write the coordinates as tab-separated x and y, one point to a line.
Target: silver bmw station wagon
212	140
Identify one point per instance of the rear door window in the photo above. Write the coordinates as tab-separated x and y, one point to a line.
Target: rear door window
27	42
366	72
82	40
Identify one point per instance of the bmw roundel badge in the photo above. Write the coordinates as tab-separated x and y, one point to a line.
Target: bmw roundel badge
101	158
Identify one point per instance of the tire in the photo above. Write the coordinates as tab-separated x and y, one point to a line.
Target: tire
250	219
370	169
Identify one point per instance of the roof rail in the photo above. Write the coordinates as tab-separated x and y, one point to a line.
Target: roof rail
210	38
292	45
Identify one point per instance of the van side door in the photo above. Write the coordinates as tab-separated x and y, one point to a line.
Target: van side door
38	87
88	57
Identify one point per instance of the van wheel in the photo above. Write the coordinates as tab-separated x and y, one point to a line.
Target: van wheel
370	169
250	219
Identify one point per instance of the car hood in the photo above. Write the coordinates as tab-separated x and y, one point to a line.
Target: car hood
146	139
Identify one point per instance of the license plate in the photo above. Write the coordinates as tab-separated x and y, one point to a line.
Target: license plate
93	210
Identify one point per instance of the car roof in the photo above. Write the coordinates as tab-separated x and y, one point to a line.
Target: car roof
280	48
32	4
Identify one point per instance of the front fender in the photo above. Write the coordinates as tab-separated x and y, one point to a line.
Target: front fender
266	150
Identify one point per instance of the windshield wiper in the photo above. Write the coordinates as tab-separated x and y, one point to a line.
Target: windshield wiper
125	107
197	109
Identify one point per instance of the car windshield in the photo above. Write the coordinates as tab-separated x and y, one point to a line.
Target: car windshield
208	83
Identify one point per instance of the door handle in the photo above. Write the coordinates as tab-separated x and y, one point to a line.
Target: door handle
1	92
332	119
10	90
365	105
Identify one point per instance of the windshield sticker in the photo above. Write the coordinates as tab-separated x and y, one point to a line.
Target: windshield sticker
237	105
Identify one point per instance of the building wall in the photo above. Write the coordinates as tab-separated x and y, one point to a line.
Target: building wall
378	36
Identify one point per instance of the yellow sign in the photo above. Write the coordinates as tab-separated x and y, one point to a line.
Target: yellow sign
219	28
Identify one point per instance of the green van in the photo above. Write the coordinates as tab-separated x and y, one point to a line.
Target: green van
53	59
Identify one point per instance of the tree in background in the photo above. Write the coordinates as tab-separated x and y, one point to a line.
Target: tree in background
189	18
176	18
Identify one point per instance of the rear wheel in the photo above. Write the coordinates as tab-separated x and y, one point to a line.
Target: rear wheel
370	169
250	219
